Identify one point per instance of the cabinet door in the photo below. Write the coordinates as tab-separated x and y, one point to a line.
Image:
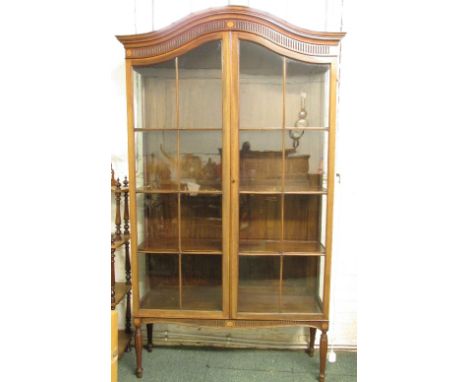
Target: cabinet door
281	161
180	183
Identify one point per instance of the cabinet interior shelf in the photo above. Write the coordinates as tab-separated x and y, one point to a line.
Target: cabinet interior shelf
308	128
175	192
189	246
246	247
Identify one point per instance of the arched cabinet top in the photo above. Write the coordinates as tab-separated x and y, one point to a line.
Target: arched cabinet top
231	18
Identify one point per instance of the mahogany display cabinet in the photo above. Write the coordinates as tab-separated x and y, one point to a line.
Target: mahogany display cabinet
231	137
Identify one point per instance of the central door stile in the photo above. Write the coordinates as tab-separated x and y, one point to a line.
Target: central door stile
234	147
226	171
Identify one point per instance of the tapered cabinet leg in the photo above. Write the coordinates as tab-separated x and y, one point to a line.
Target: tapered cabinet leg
138	349
149	333
313	331
323	354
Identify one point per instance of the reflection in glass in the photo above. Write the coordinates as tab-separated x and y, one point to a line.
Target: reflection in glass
200	160
201	228
259	223
200	87
300	285
159	281
260	86
260	164
307	84
155	96
156	160
305	167
259	284
201	282
157	222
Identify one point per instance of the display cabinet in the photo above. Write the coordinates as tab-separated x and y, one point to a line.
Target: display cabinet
231	131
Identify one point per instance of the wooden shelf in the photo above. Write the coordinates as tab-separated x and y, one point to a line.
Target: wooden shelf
180	128
121	289
308	128
115	244
289	190
189	246
122	189
143	190
124	340
276	247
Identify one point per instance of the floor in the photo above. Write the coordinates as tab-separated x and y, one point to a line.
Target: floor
210	365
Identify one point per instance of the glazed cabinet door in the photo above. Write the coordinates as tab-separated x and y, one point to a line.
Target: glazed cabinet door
280	159
181	183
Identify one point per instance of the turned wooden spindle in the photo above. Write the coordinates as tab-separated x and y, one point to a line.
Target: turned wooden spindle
128	315
112	278
313	331
118	221
126	213
149	334
112	177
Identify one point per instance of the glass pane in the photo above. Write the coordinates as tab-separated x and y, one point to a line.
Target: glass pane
200	87
303	223
155	96
157	222
300	285
260	87
306	165
159	281
260	165
307	91
156	160
201	223
200	160
202	282
259	223
259	284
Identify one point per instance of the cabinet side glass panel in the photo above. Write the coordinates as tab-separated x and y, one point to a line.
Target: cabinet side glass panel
260	87
201	223
259	281
306	164
202	282
159	281
200	160
200	87
155	96
156	160
304	223
300	286
157	222
260	161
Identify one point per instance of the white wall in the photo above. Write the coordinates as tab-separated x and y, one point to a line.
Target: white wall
323	15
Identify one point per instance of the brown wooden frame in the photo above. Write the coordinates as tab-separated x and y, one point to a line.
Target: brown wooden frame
230	24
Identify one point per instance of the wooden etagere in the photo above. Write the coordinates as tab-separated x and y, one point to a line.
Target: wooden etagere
231	136
121	291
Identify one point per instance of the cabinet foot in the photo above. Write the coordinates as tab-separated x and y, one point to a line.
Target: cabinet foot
149	333
323	354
